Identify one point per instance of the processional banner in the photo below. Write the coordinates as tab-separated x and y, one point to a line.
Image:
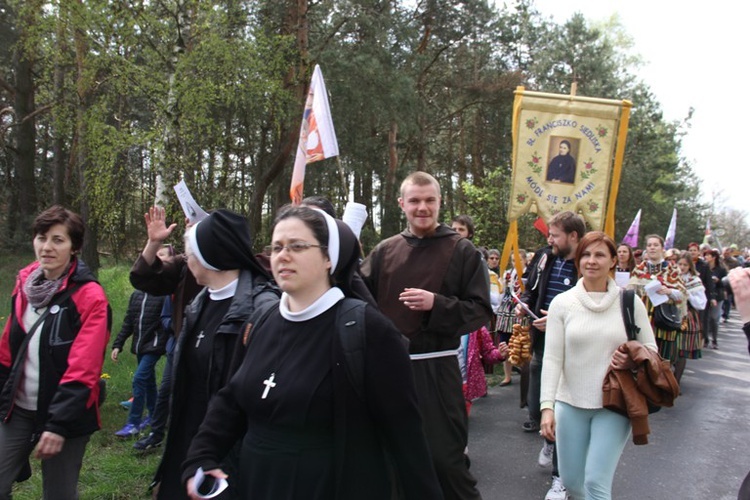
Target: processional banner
567	155
564	155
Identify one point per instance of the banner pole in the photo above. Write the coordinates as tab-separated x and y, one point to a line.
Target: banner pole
622	134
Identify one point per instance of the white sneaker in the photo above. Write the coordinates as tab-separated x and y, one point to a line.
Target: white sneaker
557	491
545	455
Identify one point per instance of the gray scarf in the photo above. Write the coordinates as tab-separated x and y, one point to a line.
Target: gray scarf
40	290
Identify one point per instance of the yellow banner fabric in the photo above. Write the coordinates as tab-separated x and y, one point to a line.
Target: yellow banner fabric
563	155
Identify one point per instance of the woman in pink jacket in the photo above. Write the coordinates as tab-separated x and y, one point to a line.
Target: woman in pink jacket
479	348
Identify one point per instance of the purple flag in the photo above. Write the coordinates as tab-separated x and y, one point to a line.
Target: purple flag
669	240
707	237
631	238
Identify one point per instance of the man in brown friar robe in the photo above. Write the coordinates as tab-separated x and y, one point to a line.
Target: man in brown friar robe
433	285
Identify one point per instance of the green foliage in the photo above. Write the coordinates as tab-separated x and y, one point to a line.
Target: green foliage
12	263
212	92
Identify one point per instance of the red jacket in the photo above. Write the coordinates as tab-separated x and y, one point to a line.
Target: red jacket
629	395
73	341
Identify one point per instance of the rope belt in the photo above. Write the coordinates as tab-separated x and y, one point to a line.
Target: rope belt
432	355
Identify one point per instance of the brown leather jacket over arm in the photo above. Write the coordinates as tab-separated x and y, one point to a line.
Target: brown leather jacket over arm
629	394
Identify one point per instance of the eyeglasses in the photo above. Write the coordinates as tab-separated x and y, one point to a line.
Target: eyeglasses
295	247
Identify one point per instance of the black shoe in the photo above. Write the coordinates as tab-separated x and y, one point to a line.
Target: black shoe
530	426
148	443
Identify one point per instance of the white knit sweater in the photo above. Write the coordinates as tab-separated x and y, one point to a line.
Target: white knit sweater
583	331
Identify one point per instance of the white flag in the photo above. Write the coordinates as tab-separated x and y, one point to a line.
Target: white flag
669	240
317	138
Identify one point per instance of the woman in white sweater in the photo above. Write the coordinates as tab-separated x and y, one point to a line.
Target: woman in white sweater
584	329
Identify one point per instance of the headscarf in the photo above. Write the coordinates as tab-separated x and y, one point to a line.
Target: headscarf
222	241
344	253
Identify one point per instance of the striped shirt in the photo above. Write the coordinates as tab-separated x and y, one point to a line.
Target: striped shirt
562	278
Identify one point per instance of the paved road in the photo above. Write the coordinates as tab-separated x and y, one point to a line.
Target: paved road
699	449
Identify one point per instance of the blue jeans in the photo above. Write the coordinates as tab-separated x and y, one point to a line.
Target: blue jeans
726	305
144	387
714	315
589	446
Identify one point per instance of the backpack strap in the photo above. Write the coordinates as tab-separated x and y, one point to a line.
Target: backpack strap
350	327
627	301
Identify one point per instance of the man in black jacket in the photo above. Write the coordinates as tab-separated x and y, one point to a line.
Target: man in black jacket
553	273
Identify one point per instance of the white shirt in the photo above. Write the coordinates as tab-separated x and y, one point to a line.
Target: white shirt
28	392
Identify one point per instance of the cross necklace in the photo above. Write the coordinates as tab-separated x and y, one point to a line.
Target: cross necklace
269	382
200	337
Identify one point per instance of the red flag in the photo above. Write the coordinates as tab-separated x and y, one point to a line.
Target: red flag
540	226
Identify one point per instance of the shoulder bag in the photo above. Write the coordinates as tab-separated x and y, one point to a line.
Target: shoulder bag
627	298
667	317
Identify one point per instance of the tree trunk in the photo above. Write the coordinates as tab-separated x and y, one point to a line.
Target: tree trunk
90	253
295	23
25	144
58	148
390	225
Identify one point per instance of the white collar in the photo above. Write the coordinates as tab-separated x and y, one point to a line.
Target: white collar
603	299
223	292
321	305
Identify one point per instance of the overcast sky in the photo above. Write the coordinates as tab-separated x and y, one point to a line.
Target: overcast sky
693	55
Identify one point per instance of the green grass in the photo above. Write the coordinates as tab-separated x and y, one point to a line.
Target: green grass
8	272
111	468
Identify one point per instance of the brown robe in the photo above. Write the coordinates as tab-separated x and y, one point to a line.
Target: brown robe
451	268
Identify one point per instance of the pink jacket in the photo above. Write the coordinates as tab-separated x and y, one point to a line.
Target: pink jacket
480	349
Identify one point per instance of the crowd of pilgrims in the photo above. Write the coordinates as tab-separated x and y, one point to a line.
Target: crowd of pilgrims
264	396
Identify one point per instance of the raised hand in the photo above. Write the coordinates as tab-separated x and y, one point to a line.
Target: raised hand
156	225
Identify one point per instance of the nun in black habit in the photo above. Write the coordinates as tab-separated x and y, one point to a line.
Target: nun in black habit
306	433
220	256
